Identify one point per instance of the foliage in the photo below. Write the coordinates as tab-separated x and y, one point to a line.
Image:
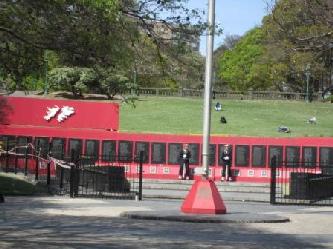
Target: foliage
80	80
240	67
91	34
11	184
229	43
70	79
301	31
111	82
176	66
305	24
294	40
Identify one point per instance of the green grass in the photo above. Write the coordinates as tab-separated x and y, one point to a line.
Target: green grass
11	184
244	117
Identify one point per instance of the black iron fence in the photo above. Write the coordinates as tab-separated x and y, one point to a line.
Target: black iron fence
246	95
301	183
29	163
86	178
78	176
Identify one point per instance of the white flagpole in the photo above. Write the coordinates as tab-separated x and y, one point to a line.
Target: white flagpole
208	87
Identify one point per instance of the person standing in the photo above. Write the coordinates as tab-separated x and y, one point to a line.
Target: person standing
184	169
226	160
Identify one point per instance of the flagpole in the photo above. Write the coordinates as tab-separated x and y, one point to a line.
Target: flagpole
204	197
208	88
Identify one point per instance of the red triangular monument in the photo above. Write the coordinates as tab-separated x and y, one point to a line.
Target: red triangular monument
203	198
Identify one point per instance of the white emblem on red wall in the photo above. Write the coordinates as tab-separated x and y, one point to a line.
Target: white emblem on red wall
64	113
51	112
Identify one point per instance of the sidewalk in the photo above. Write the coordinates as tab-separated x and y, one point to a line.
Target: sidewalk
154	209
60	222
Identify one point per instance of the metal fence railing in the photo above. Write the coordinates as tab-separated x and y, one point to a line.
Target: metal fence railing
301	183
77	176
86	178
246	95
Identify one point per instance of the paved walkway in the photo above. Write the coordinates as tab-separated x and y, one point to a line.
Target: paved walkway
57	222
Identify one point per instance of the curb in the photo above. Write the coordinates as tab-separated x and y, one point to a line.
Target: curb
177	197
195	218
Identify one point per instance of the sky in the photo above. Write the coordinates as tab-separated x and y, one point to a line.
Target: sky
234	16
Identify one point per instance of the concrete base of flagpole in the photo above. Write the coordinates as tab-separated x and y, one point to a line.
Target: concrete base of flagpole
203	198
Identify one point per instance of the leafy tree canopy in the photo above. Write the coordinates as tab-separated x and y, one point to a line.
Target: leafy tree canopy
237	65
295	39
88	34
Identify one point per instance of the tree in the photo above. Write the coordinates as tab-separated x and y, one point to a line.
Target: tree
85	33
302	30
296	36
306	24
241	67
78	31
229	42
108	81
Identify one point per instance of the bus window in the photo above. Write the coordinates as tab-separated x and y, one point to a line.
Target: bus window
109	151
212	153
326	159
242	155
142	146
292	156
309	155
258	156
173	153
158	152
276	151
75	148
125	151
92	149
58	148
194	149
42	146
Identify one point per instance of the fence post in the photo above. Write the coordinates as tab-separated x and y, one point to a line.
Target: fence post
7	156
76	179
140	175
36	167
48	176
71	181
74	175
61	184
16	161
48	172
26	161
273	180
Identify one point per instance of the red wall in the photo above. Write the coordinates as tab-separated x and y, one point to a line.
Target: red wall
88	114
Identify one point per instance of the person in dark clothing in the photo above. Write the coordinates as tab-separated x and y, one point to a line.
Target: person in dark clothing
184	169
226	160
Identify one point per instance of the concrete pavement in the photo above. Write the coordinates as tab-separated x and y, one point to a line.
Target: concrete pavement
60	222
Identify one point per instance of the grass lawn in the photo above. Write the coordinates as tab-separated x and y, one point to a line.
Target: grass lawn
244	117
